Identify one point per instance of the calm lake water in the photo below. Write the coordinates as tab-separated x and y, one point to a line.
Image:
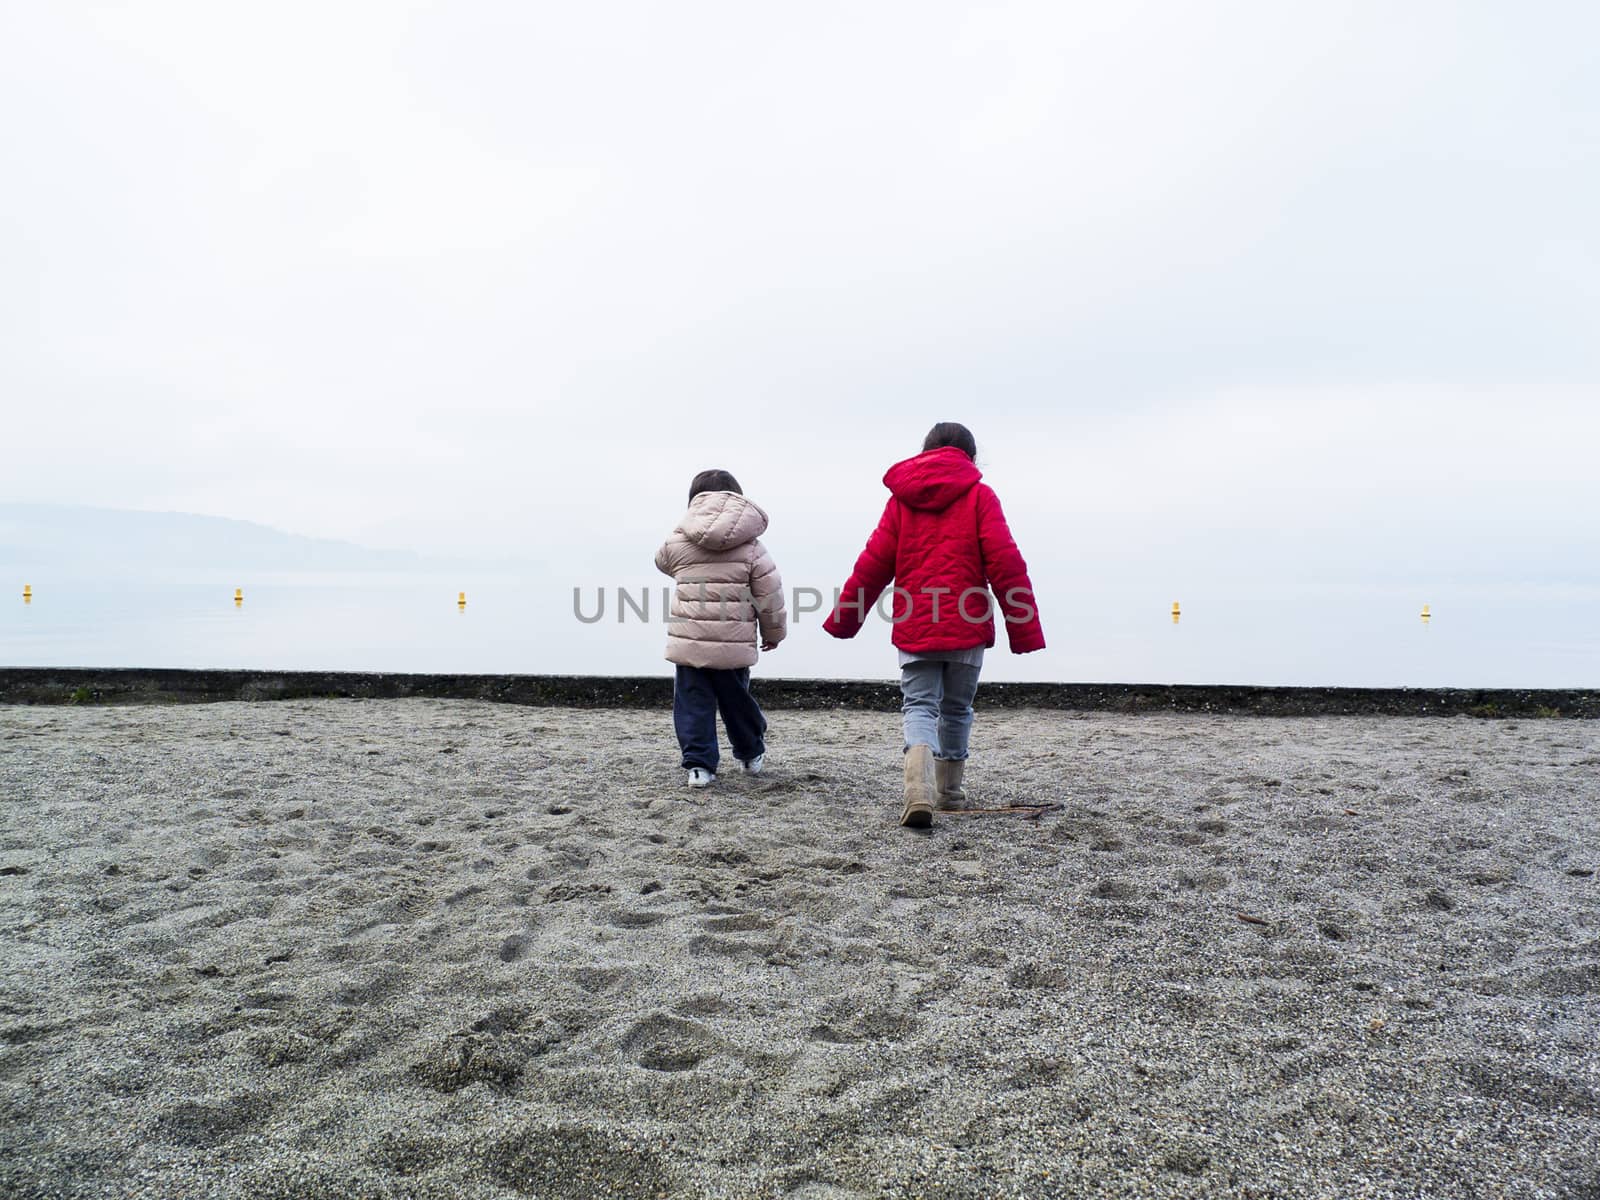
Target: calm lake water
1534	636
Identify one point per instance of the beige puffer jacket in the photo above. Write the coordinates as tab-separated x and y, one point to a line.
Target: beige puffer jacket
728	586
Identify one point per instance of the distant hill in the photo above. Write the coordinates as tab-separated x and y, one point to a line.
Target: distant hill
79	536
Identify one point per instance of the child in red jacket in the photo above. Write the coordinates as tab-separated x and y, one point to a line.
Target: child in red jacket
944	542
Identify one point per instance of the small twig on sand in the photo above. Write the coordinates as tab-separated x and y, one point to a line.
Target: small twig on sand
1250	920
1030	811
1350	812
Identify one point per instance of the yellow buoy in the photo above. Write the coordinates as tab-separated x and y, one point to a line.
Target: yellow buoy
1176	612
1425	613
461	600
238	597
27	593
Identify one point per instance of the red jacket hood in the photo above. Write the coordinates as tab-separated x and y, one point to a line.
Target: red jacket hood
933	480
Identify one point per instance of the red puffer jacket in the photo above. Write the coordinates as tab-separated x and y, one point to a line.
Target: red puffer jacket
944	542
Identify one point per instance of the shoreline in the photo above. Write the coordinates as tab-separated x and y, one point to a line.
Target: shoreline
156	685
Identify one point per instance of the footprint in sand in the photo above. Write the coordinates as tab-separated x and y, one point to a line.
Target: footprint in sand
513	947
636	918
459	1060
1114	889
373	990
209	1121
739	923
729	947
597	980
666	1043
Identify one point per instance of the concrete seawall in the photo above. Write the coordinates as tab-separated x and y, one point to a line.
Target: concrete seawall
92	685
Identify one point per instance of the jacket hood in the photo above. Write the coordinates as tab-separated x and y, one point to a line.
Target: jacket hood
722	520
934	479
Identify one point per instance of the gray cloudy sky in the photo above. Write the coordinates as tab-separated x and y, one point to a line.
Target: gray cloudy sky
1308	287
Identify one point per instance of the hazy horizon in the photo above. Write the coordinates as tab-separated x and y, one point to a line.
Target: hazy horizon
94	539
156	590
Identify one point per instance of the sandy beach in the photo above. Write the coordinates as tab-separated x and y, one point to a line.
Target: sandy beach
431	948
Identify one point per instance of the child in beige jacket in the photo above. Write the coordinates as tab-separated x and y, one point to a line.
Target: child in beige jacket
728	595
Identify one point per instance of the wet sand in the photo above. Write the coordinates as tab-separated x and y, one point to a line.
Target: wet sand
452	949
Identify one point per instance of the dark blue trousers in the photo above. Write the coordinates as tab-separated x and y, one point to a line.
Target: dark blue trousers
697	694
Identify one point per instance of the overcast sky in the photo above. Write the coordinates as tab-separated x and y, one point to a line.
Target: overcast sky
1232	287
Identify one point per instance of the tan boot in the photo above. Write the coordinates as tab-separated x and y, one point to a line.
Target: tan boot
947	775
918	812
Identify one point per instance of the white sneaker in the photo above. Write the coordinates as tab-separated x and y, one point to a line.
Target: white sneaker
699	777
754	765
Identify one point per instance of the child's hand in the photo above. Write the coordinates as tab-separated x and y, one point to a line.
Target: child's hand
769	647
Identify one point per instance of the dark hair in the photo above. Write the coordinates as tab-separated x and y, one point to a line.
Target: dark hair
951	433
713	481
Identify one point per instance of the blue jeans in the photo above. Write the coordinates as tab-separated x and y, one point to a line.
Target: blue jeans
697	694
936	705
